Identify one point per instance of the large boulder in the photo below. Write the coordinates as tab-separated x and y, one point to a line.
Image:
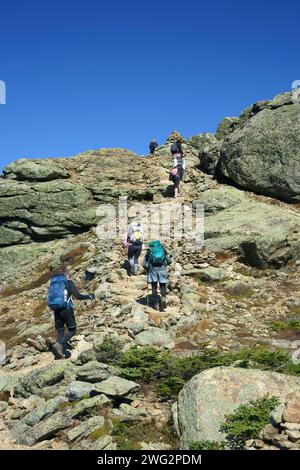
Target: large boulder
263	154
262	234
208	397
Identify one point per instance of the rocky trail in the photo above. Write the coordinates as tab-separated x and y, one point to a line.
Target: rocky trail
239	292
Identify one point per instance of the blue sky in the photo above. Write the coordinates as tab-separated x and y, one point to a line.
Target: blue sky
90	74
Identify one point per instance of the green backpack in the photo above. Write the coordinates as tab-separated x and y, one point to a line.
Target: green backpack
157	254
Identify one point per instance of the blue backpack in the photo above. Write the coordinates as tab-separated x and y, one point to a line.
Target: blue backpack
57	293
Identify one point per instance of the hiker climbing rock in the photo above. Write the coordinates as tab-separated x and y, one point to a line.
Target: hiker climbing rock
60	293
152	146
177	172
134	245
155	263
175	175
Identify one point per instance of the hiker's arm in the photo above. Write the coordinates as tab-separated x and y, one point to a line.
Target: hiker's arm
73	291
145	262
169	259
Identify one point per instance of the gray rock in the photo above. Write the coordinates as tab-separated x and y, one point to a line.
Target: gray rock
210	156
100	444
3	406
78	390
116	387
81	407
93	372
211	274
276	415
209	396
43	411
34	382
155	337
46	429
86	428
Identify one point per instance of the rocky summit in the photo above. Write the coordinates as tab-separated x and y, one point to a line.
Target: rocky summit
136	377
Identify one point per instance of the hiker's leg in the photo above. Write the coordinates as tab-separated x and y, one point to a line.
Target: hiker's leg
59	335
163	294
137	254
155	302
70	322
131	258
176	182
59	325
69	334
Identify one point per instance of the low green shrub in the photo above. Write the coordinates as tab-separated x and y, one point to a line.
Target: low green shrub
247	421
207	445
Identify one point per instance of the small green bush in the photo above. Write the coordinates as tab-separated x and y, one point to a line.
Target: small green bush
109	350
207	445
293	325
247	421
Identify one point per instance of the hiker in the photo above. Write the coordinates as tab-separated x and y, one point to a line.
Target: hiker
152	146
134	246
155	263
177	172
175	175
60	293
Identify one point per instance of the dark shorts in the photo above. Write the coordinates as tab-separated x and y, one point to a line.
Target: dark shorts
134	251
64	318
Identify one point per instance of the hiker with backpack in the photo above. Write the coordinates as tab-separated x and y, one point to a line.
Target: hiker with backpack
155	263
134	246
152	146
177	172
60	293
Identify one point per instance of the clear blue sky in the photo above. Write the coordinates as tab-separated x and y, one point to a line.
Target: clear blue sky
90	74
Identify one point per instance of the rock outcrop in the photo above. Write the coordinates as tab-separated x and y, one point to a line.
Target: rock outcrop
51	198
259	151
208	397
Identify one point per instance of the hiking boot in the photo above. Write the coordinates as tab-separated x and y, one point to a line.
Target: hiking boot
163	303
58	350
67	354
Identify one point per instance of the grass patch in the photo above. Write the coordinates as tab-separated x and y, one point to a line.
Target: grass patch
291	325
247	421
98	433
128	436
